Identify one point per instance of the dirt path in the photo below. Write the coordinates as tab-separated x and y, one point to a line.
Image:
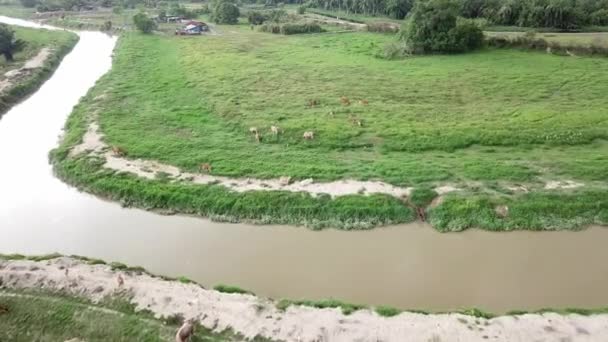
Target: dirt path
13	76
250	315
93	144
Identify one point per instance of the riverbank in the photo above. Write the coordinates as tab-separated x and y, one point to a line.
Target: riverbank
251	316
43	52
525	165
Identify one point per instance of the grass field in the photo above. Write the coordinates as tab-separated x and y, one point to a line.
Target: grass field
484	122
59	42
45	317
584	39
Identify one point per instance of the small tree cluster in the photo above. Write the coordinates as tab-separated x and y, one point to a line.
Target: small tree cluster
434	28
9	44
144	23
225	12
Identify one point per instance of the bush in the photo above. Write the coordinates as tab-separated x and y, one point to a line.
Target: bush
434	28
256	17
291	28
107	26
29	3
225	13
301	9
381	27
144	23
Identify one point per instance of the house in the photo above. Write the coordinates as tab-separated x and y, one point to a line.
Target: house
192	28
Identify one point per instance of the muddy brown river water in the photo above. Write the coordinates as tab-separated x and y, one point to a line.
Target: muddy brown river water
408	266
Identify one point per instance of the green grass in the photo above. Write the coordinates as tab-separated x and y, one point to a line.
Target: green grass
481	121
61	44
353	17
45	317
347	308
231	289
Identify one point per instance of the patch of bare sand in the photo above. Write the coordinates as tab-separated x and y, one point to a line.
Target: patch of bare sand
567	184
251	316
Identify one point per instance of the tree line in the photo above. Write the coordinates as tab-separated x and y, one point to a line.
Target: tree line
562	14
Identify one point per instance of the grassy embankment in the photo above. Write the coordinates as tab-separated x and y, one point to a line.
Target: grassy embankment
486	122
61	44
39	316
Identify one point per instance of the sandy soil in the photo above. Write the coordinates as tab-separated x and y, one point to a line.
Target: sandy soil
251	316
13	76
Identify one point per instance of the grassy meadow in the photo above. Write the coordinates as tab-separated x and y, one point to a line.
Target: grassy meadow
485	122
36	39
30	316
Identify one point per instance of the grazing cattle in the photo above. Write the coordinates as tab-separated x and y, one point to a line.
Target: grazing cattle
355	121
253	130
117	151
363	102
275	130
185	332
258	137
345	101
205	167
309	135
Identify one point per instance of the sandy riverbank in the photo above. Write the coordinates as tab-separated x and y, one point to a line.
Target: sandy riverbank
251	316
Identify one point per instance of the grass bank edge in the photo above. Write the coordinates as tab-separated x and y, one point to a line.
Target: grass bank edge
18	92
284	304
49	307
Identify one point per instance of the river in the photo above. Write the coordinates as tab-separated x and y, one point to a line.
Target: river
408	266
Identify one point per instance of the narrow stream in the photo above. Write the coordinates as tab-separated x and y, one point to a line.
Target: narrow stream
408	266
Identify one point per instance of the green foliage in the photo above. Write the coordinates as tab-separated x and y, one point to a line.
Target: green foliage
347	308
422	197
231	289
225	12
107	26
9	44
144	23
291	28
301	9
434	28
387	311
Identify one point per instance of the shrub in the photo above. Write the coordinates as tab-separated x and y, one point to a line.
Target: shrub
225	13
387	311
107	26
381	27
434	28
301	9
231	289
144	23
291	28
256	17
600	17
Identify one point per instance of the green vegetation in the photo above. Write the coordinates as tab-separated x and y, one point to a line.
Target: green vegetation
433	27
231	289
346	308
387	311
225	12
485	122
47	317
291	28
31	42
144	23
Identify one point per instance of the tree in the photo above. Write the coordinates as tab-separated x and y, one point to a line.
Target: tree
225	12
434	27
398	9
144	23
9	44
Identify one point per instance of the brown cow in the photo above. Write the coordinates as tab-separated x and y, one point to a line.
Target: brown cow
345	101
117	151
363	102
205	167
